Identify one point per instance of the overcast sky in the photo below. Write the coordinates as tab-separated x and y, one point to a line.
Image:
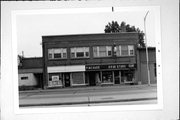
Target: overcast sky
31	28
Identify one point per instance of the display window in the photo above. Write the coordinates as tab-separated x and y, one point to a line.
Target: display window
78	78
127	76
55	79
107	77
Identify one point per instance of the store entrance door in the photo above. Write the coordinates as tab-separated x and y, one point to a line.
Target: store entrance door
92	78
67	79
117	77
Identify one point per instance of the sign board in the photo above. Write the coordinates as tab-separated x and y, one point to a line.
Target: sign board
55	78
111	66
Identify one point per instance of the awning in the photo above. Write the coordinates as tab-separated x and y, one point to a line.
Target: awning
72	68
35	70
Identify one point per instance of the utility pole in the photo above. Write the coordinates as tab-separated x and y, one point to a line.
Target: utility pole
147	56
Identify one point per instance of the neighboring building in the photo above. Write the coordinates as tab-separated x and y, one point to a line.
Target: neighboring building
142	65
30	72
90	59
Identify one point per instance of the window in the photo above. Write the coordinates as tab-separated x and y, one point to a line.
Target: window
80	52
127	76
24	78
58	53
78	78
107	77
125	50
102	51
131	50
55	79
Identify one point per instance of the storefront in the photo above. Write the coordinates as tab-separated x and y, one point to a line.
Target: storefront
66	76
110	74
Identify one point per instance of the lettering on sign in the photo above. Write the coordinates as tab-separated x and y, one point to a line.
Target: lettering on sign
92	67
118	66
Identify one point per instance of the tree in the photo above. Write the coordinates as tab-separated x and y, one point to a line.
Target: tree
114	27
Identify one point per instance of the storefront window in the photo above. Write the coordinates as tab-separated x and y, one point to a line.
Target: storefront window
107	77
55	79
127	76
78	78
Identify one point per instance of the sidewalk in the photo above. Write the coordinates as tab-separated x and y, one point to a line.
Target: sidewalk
89	88
88	101
89	95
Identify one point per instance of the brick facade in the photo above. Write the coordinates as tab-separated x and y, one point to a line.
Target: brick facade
90	40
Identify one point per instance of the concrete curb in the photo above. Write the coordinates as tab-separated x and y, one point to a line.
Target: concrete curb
88	102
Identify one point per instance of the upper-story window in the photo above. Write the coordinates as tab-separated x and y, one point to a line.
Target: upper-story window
80	52
102	51
57	53
125	50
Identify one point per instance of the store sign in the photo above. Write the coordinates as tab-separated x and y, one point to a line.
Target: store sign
116	66
55	78
55	81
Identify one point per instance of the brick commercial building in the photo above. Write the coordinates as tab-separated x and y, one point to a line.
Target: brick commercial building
94	59
90	59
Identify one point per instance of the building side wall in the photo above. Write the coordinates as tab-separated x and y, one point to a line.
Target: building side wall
30	81
144	75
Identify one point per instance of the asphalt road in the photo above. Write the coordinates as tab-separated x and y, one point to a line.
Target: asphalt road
90	96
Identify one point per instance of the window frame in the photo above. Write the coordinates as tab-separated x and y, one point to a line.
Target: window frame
85	49
129	48
97	50
52	53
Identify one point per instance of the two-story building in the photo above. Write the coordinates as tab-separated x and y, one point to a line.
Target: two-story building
89	59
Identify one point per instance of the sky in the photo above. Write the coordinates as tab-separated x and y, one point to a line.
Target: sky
31	28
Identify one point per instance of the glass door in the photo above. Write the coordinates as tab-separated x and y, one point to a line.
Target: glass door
67	79
117	77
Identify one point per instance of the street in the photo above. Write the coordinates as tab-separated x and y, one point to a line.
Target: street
90	96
